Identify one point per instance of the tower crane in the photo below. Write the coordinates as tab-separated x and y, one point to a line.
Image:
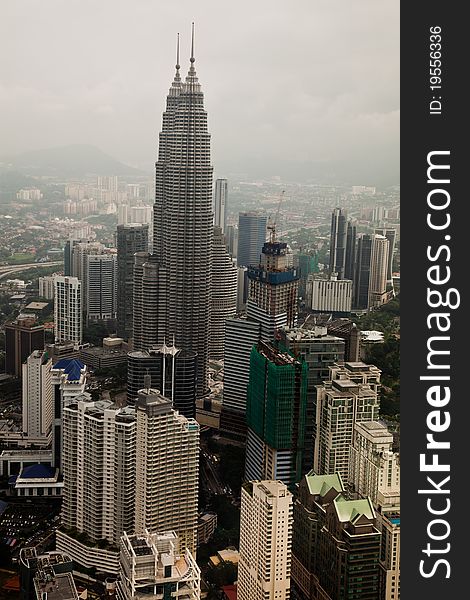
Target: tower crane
272	226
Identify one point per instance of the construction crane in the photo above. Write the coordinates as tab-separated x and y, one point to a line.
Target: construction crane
272	226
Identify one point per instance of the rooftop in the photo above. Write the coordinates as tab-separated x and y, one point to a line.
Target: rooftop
37	305
320	485
352	510
72	367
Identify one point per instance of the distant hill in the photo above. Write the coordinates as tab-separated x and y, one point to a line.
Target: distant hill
69	161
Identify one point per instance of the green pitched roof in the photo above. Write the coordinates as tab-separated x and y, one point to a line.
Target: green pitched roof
320	485
352	510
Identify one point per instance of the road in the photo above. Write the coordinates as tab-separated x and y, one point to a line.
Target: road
6	270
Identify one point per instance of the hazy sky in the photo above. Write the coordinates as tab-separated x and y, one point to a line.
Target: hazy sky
300	86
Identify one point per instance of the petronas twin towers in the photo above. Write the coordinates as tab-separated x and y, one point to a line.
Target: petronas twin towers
172	286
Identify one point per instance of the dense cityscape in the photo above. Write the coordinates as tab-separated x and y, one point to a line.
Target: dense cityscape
200	382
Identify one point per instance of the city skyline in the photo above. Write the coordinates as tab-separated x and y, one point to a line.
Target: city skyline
274	83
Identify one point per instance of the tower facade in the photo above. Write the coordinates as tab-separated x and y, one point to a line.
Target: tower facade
370	283
336	542
101	278
167	447
320	351
68	381
265	541
183	221
251	237
130	239
37	396
338	240
98	463
276	416
68	317
220	204
22	336
224	294
350	396
273	290
173	371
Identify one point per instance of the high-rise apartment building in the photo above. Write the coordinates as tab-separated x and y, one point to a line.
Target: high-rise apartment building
68	256
265	541
374	468
101	277
68	381
166	482
98	463
154	565
80	251
22	337
336	544
251	238
68	317
46	287
338	240
173	371
224	294
350	396
276	415
220	204
130	239
37	397
375	472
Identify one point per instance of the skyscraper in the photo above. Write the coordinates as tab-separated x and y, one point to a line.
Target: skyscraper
336	544
22	336
37	397
68	382
273	290
320	351
391	235
98	460
130	239
68	317
265	541
224	294
173	371
350	396
251	237
276	416
351	241
183	221
101	278
166	489
338	239
271	305
220	204
371	271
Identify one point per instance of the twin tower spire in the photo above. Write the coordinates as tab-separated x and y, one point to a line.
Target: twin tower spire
191	78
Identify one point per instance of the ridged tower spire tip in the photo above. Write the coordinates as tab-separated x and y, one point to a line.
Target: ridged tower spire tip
192	59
